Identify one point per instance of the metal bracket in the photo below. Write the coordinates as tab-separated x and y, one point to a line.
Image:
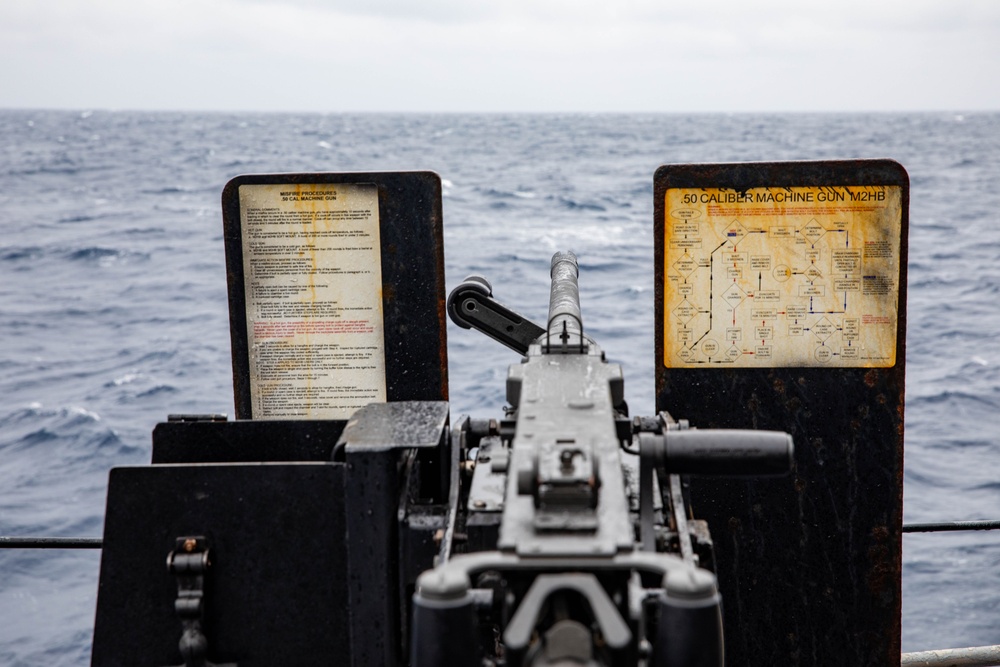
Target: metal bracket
471	306
189	562
564	346
615	632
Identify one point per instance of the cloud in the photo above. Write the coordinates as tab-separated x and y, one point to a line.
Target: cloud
511	55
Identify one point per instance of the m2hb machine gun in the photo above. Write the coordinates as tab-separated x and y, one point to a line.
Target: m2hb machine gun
593	563
345	517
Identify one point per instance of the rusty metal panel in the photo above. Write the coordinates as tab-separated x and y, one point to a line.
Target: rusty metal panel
810	564
409	255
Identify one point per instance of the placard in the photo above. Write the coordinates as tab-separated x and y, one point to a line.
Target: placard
780	297
781	276
313	285
336	292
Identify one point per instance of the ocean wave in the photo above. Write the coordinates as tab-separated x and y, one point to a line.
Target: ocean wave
963	443
70	219
92	253
986	486
128	378
964	163
157	391
578	205
46	171
951	398
22	253
912	476
169	190
104	255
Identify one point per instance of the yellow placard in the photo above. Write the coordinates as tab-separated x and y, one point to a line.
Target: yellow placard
781	276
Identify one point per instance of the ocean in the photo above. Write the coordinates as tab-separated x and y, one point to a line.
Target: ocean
113	307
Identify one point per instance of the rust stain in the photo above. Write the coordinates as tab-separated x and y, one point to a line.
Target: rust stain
881	576
771	285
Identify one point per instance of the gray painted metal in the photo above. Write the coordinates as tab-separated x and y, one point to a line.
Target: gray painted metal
565	400
974	656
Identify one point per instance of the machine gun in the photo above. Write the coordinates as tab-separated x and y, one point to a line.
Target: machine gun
558	534
384	531
596	560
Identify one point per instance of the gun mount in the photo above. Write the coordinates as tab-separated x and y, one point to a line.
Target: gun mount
382	530
577	574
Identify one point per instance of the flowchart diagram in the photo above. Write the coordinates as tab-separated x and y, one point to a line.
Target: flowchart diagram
778	277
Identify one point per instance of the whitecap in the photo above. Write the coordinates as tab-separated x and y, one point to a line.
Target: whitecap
83	412
128	378
324	144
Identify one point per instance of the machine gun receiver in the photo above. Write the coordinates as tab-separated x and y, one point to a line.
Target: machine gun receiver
582	569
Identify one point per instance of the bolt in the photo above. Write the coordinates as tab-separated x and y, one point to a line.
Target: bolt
189	544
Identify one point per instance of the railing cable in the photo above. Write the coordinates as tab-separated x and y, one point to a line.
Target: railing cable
51	543
943	526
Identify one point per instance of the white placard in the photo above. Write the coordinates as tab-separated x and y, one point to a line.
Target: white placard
313	283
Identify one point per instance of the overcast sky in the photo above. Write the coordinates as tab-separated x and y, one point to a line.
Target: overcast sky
505	55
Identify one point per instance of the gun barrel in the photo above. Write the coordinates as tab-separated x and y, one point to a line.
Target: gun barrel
564	297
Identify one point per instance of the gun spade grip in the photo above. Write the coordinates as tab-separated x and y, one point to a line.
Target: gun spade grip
729	452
